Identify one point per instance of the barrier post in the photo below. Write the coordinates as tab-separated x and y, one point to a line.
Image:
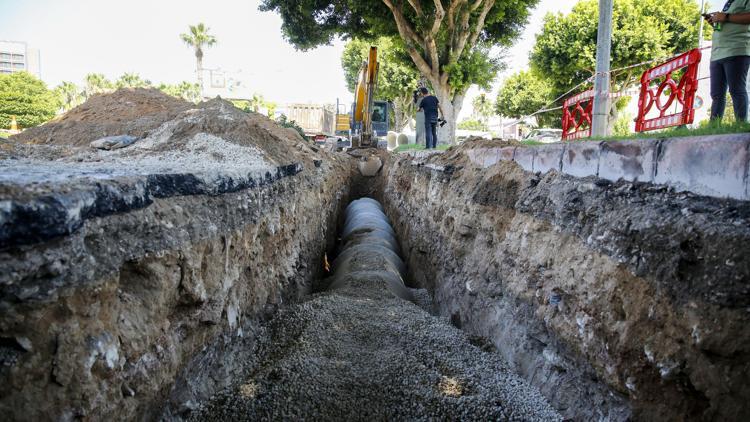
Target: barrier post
576	124
683	92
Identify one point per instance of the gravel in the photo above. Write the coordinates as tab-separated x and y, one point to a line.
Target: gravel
359	352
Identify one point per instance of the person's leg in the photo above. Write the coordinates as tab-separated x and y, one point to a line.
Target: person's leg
718	90
427	133
434	134
736	71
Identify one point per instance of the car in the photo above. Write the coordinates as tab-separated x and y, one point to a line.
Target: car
544	135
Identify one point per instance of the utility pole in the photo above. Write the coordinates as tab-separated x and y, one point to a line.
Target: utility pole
700	24
601	82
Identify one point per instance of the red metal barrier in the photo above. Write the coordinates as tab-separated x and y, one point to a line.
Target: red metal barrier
682	91
576	124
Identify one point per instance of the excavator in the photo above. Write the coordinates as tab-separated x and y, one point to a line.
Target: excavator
364	109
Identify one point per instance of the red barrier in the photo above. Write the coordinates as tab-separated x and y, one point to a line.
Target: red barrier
683	92
576	124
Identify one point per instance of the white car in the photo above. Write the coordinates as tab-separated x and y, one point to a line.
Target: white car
544	135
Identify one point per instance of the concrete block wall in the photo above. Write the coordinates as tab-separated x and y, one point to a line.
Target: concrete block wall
714	165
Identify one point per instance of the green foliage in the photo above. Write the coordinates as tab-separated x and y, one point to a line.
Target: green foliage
472	124
565	50
475	67
198	38
704	129
96	83
285	122
397	77
185	90
132	80
310	23
417	147
524	93
26	97
69	95
450	43
622	125
255	104
483	107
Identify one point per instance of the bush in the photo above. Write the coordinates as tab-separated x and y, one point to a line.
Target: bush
26	97
285	122
470	124
622	125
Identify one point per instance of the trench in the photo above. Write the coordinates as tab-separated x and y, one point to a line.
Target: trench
368	348
433	290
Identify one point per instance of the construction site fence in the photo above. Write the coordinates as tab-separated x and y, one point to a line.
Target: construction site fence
666	97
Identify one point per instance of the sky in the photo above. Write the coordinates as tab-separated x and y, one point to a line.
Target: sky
77	37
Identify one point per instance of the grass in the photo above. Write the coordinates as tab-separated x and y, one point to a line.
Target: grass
4	135
704	129
417	147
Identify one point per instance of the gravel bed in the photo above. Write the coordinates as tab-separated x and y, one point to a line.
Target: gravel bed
360	353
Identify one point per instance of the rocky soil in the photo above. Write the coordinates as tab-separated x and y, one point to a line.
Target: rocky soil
618	300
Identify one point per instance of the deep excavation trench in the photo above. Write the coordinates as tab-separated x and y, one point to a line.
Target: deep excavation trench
361	350
463	293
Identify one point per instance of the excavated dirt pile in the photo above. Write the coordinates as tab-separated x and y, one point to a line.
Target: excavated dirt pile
127	111
128	275
618	300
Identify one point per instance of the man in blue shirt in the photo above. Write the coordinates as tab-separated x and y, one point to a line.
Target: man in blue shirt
430	106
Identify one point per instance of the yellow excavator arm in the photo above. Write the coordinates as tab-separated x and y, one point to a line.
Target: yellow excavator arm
364	95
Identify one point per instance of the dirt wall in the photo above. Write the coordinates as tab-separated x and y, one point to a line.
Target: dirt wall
618	300
101	322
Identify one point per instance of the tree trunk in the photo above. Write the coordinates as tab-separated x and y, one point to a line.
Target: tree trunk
402	110
397	116
451	106
199	69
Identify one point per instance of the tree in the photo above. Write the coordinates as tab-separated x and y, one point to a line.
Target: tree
473	124
642	30
96	83
482	108
69	95
256	102
449	41
398	77
185	90
524	93
132	80
27	98
198	38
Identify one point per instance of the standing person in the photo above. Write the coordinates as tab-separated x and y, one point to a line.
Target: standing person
430	105
730	58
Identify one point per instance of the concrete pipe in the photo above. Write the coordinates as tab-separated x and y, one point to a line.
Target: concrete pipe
392	138
406	138
369	251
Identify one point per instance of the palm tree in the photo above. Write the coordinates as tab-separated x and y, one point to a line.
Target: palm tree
483	107
69	94
132	80
96	83
198	38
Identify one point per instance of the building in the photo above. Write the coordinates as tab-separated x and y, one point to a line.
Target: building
16	56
